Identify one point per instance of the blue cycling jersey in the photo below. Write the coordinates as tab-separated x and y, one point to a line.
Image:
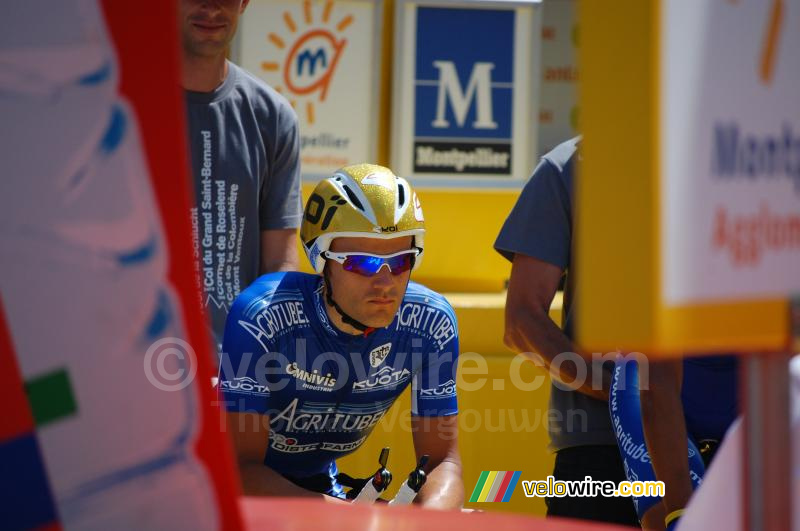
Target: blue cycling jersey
324	390
709	401
710	395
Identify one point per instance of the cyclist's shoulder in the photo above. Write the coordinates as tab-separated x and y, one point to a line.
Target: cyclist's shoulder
427	314
274	288
418	294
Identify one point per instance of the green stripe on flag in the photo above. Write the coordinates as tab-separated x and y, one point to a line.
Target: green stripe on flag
51	397
479	487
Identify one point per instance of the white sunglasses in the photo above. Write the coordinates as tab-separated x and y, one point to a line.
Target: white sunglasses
367	264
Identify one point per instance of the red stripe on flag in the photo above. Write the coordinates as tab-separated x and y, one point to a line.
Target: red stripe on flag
503	486
162	121
17	416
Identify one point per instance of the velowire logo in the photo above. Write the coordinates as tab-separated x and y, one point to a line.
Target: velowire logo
494	486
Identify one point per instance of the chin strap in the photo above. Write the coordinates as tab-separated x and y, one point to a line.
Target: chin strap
358	325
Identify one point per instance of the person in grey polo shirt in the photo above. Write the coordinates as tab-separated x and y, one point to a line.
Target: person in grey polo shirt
537	239
244	144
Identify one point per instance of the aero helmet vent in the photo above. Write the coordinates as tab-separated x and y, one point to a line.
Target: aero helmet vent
352	197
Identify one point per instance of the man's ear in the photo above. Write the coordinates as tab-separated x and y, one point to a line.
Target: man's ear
244	5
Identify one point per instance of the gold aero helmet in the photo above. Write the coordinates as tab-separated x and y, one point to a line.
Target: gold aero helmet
362	201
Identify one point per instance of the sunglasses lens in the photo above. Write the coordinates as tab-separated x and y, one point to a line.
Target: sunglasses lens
369	265
363	265
400	264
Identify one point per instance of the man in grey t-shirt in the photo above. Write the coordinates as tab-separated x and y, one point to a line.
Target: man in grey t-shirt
537	238
245	162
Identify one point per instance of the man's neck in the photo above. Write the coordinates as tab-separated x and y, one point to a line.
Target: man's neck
336	318
203	74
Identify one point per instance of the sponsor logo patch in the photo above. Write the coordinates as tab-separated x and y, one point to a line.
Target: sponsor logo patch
245	385
443	390
312	380
343	447
386	378
378	354
289	445
300	421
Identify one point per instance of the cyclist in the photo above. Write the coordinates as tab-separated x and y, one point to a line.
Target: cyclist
669	420
312	362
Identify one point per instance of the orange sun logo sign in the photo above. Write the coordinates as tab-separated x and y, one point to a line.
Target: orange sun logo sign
310	56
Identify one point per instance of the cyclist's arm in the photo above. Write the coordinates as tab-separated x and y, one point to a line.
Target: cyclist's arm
665	430
529	328
438	438
250	436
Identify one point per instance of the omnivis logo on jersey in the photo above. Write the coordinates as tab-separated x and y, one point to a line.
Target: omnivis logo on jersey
378	354
312	380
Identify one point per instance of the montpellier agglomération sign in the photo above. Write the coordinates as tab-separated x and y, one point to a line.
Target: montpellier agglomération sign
689	189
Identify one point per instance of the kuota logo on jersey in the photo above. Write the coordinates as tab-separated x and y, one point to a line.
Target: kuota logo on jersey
446	389
386	378
309	54
244	385
464	93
